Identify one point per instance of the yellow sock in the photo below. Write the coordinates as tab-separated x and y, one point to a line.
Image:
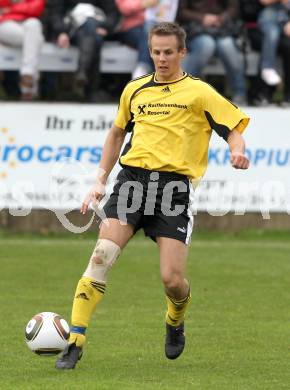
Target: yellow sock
77	338
88	294
176	310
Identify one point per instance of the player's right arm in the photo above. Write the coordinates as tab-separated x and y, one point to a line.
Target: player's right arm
111	151
110	155
112	148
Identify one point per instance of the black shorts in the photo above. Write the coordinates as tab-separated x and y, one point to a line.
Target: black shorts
158	202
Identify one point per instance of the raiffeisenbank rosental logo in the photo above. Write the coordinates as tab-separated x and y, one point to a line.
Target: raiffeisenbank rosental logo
7	140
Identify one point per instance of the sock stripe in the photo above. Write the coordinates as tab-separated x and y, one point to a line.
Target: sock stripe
172	319
181	302
78	329
99	286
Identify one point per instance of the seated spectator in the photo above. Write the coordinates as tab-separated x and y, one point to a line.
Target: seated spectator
164	11
20	27
262	93
132	32
85	24
211	27
284	49
271	21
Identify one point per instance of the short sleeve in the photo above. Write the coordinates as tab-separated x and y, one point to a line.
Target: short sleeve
221	114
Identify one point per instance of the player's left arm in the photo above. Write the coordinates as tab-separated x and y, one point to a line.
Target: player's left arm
237	148
228	121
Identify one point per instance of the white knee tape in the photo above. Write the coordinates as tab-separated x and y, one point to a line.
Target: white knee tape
104	255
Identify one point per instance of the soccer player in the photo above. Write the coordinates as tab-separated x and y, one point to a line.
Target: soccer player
170	115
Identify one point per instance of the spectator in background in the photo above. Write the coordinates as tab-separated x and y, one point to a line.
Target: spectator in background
211	27
261	93
271	21
258	91
20	27
132	32
164	11
85	24
285	53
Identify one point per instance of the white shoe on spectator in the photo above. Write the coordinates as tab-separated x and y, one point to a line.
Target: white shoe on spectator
28	87
270	76
140	70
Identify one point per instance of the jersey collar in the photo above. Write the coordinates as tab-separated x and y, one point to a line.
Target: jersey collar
168	82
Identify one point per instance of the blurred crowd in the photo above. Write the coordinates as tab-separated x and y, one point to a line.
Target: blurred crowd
228	29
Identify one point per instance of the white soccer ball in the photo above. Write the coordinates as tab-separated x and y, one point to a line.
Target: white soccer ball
47	334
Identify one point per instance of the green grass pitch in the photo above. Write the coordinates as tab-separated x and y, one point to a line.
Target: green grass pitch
237	327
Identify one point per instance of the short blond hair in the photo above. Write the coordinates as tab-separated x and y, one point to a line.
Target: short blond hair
168	28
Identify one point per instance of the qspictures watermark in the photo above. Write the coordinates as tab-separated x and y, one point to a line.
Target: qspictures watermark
70	181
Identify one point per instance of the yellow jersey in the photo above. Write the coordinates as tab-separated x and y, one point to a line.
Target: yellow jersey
171	123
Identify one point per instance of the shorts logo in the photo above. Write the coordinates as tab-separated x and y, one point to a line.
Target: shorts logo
141	109
181	229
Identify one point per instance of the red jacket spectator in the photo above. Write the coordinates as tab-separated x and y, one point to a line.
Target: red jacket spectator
133	13
10	10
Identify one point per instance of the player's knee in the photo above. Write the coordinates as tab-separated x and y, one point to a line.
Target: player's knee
103	257
172	281
33	24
